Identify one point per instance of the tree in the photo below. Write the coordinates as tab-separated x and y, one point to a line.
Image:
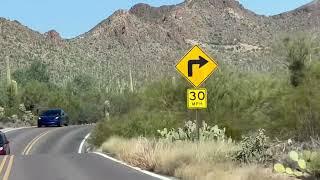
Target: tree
37	71
81	83
297	51
35	94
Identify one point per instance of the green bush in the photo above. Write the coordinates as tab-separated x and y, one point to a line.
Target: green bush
3	94
101	132
298	109
123	103
36	72
81	83
239	101
254	149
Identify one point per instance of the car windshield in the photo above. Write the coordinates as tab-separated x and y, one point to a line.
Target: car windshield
51	113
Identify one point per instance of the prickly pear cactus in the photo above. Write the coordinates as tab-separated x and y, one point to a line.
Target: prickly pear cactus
279	168
289	171
294	156
301	169
188	133
302	164
254	148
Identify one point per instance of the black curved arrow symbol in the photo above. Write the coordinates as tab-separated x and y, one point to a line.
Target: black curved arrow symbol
201	61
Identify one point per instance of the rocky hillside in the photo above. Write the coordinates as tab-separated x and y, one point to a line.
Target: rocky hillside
147	41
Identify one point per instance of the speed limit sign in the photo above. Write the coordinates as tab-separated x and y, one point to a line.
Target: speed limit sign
197	98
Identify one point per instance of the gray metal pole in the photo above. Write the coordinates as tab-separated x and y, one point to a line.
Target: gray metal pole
198	124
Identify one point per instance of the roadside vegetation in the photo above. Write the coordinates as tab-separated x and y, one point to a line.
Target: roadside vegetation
26	92
174	154
253	120
262	117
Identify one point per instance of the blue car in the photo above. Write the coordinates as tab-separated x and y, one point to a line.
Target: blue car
53	117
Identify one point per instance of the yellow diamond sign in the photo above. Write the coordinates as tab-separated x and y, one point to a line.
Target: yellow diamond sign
196	66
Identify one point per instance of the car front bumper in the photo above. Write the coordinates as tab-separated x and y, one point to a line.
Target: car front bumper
48	123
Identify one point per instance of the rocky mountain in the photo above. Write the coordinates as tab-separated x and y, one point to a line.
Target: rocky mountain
312	7
147	41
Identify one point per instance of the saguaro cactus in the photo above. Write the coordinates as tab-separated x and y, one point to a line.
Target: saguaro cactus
12	86
106	109
8	71
131	81
174	81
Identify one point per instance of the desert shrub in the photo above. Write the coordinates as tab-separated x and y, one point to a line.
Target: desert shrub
254	149
237	101
186	160
81	83
36	72
86	107
298	52
3	93
101	132
165	95
243	101
167	157
135	124
35	94
298	108
123	103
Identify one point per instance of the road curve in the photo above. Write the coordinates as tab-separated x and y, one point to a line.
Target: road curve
51	154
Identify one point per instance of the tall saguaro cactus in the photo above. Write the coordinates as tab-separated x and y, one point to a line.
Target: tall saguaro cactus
8	71
12	86
131	81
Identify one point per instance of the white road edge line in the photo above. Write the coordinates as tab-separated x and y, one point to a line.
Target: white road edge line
82	143
135	168
12	129
120	162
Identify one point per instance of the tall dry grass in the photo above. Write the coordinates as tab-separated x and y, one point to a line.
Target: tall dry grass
186	160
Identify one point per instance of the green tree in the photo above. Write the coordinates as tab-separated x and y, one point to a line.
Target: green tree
297	51
36	72
35	94
81	83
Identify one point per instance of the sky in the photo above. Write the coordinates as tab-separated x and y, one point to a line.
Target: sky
75	17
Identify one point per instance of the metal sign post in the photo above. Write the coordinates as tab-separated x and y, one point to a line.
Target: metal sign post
196	66
198	124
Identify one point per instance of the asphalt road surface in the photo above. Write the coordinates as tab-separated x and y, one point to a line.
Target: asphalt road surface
52	154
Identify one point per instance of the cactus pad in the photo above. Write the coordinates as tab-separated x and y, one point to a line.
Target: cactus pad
279	168
294	156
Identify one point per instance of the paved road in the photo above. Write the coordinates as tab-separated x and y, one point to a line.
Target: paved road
51	154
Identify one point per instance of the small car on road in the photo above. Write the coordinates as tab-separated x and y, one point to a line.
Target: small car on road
53	117
4	144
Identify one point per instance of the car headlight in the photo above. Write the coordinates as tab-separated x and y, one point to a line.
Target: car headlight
39	118
1	148
57	117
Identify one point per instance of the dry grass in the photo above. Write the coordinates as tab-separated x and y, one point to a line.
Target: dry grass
136	152
186	160
227	171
